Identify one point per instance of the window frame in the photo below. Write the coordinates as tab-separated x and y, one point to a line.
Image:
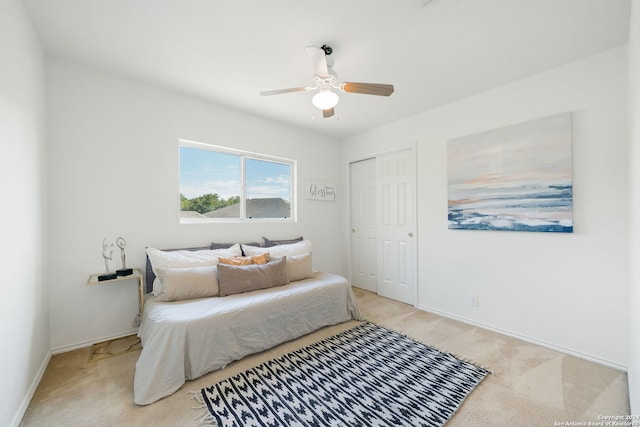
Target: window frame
243	154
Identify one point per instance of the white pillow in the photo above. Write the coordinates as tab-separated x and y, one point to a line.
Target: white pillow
185	258
299	267
279	251
187	283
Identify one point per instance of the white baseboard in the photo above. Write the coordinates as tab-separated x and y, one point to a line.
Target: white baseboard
83	344
17	419
565	350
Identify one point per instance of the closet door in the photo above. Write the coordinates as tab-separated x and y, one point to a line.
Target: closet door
363	225
396	247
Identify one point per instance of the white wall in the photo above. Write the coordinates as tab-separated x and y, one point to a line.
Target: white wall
564	290
24	313
114	172
634	208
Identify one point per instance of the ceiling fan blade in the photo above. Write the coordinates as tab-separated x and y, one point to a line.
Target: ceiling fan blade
328	112
367	88
293	89
318	61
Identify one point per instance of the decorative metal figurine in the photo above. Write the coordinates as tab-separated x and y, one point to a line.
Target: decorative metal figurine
124	271
107	253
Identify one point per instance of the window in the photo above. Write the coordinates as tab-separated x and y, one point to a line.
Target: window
218	184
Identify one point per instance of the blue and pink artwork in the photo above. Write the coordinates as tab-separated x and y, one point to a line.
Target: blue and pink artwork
516	178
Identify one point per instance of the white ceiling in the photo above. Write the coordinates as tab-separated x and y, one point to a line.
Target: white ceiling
226	51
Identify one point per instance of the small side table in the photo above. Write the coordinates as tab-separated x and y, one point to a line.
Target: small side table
137	275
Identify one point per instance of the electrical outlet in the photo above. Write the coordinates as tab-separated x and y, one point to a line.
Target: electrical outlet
474	300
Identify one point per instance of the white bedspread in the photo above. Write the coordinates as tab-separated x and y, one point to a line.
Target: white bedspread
184	340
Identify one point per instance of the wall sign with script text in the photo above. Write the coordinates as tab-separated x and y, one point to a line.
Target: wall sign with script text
320	190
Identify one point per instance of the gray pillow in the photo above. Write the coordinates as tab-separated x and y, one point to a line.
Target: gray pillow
236	279
220	245
269	243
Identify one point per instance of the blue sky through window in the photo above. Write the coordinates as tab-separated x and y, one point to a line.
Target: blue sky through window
205	171
267	179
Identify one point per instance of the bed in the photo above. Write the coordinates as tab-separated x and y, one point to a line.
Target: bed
185	339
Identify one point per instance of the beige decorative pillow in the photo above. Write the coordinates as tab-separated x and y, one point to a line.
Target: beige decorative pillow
236	279
187	283
299	267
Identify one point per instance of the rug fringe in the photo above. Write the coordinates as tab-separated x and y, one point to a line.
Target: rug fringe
204	418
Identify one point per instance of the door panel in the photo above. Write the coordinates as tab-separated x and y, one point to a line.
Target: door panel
397	253
402	261
387	268
363	225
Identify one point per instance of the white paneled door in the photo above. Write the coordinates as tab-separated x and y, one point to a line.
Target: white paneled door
383	226
363	225
396	230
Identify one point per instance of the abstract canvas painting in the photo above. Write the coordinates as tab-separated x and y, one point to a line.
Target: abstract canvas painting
516	178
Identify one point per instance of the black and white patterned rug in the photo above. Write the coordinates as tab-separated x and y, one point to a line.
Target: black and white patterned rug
365	376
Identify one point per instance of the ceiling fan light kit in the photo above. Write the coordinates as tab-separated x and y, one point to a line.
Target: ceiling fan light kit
325	79
325	99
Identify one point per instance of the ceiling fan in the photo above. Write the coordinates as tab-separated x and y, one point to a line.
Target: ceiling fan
326	81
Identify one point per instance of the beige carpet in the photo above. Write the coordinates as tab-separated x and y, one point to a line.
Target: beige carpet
531	385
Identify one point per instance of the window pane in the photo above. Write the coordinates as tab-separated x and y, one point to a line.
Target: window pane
210	184
268	189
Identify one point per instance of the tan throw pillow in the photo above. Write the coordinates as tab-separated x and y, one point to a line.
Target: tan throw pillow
236	279
187	283
238	260
260	259
299	267
245	260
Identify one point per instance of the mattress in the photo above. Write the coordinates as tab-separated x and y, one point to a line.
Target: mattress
187	339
